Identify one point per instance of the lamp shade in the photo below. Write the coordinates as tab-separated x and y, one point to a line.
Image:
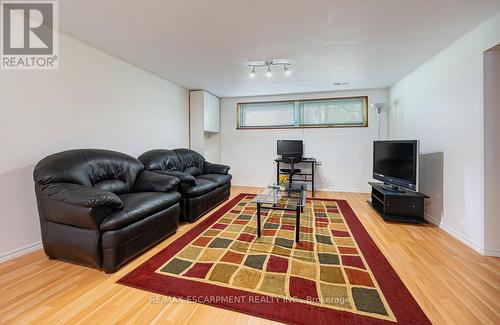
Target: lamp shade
378	106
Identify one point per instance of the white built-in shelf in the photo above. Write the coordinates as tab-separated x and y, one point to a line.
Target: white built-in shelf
204	112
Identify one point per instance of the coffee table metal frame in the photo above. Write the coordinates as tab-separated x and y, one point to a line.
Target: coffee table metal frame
270	197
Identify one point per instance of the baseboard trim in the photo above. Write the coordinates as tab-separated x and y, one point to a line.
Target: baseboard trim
347	190
491	252
20	251
335	189
475	246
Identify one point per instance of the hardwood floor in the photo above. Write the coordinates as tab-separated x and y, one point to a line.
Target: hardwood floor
452	283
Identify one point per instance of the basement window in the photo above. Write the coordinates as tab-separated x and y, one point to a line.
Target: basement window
309	113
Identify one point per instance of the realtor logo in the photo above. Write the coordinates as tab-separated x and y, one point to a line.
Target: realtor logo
29	38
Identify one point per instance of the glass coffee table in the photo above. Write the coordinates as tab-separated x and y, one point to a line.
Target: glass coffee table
287	199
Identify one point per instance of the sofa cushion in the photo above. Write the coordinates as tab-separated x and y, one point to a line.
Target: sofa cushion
112	185
190	158
193	171
200	187
161	159
137	206
89	167
219	179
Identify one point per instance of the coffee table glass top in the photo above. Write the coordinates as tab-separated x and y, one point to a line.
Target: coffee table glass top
289	198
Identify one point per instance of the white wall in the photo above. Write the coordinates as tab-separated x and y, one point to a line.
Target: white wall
492	150
92	101
346	153
441	103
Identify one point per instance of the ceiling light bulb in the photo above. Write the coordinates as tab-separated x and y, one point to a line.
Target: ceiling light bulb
269	74
287	69
252	72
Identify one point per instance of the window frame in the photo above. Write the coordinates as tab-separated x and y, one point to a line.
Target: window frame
303	126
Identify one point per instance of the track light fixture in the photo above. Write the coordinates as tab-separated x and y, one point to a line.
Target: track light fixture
287	69
252	72
269	74
267	65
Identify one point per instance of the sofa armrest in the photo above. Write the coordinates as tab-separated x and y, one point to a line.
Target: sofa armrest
210	168
149	181
76	205
185	179
85	196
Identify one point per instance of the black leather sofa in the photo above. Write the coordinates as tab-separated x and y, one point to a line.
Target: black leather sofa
101	208
203	185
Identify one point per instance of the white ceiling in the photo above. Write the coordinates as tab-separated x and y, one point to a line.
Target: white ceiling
206	44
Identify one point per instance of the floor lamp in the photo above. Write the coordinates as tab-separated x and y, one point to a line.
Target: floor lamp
379	107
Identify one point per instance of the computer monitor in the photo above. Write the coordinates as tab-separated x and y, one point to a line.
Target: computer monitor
285	147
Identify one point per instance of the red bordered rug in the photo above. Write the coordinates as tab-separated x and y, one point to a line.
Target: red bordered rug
336	274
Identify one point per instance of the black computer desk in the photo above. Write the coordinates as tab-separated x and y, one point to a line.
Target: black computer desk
307	177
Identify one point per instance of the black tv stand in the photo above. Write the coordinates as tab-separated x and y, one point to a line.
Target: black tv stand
400	206
392	188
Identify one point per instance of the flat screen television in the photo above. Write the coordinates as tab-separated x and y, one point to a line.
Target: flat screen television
396	163
291	147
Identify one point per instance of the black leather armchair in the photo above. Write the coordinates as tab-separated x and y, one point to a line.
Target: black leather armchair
101	208
203	185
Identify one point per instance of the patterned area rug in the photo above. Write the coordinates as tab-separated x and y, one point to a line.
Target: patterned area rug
336	274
